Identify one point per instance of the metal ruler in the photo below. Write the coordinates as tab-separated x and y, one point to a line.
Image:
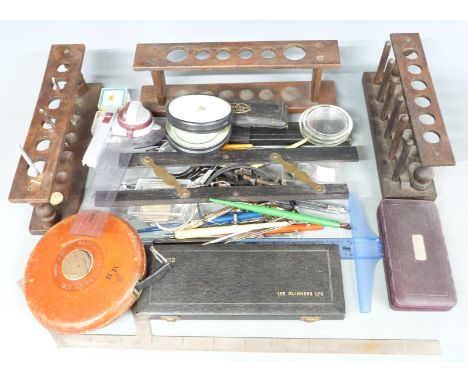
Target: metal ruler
144	339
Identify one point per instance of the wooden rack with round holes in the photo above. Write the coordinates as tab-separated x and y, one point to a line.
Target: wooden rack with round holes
250	55
58	136
406	122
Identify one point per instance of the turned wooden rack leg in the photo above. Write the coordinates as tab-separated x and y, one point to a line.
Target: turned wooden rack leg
159	81
316	84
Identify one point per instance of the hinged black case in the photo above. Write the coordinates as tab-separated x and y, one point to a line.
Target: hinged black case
246	281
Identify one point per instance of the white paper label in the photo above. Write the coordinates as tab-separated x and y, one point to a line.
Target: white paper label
419	248
325	174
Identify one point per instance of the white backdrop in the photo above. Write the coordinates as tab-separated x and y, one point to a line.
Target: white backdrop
109	59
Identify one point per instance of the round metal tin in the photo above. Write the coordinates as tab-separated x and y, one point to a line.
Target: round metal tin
199	113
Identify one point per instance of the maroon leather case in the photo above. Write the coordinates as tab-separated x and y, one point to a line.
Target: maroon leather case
416	263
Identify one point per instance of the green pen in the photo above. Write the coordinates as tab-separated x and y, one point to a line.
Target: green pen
303	218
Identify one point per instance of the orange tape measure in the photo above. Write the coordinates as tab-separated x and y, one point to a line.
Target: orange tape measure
75	284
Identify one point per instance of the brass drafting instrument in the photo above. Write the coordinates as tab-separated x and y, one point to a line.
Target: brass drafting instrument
296	172
167	178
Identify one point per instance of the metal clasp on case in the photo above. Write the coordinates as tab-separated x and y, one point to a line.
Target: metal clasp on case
310	319
170	318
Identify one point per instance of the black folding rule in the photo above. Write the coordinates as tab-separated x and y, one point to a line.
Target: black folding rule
224	158
237	193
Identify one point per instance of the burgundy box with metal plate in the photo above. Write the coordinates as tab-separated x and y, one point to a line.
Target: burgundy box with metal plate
416	263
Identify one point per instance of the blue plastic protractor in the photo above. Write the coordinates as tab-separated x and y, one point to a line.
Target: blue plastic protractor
367	252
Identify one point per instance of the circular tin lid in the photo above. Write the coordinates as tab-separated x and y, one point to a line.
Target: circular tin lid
74	283
199	113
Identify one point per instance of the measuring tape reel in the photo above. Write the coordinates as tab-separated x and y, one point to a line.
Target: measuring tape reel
75	284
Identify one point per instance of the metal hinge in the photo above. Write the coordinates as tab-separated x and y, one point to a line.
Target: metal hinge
170	318
310	319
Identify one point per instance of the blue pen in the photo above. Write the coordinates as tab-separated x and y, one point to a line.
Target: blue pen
149	229
155	229
234	218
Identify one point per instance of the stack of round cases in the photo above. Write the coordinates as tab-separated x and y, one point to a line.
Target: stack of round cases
198	124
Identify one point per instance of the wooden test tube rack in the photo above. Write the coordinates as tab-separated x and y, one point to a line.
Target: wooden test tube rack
231	56
58	136
407	127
